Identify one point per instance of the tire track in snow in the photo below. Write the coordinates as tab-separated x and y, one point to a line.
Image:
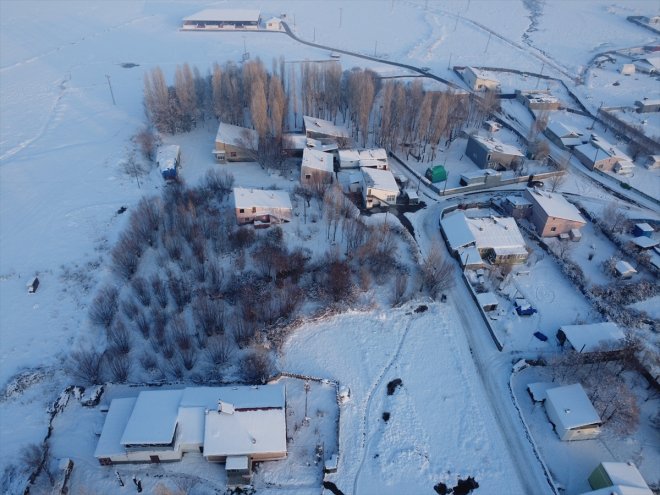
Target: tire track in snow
367	410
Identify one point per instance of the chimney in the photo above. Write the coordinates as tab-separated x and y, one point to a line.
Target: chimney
225	407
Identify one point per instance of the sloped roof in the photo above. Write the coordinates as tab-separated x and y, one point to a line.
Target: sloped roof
153	419
241	137
167	156
591	337
225	15
624	474
645	242
493	144
573	407
324	126
456	230
562	130
499	233
380	179
261	198
115	421
317	160
609	148
555	205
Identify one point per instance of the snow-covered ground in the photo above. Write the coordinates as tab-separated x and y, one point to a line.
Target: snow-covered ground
430	436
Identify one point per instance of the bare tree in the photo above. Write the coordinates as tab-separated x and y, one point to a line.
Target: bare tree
118	366
85	365
437	272
146	140
257	366
556	181
104	306
219	350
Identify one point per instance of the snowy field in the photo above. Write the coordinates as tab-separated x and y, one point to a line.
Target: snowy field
430	436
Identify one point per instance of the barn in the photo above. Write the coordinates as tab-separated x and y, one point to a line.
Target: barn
214	19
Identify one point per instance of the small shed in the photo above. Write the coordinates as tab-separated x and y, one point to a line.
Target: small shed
487	301
413	197
628	69
575	235
274	24
168	159
644	242
571	413
32	285
642	229
624	269
592	337
436	174
623	474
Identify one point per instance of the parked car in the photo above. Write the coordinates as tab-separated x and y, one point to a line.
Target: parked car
523	308
541	336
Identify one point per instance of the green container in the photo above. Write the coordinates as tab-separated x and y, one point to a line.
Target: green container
436	174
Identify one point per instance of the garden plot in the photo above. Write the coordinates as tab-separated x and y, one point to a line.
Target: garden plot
571	463
76	429
428	436
543	285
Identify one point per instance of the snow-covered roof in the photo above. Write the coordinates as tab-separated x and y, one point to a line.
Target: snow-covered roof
234	135
318	145
191	425
562	130
167	157
499	233
242	397
237	463
555	205
349	155
608	148
225	15
481	74
456	230
373	154
380	179
293	141
493	144
624	268
624	474
594	336
573	407
154	418
470	256
480	173
324	127
654	61
245	432
645	242
371	163
487	299
539	95
317	160
518	200
644	227
261	198
115	421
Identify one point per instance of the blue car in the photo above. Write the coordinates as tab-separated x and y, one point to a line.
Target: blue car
541	336
523	308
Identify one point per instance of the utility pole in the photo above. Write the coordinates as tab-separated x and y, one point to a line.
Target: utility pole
457	18
111	93
375	47
488	42
314	33
538	79
449	64
339	16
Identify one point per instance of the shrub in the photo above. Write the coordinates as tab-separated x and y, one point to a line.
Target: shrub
219	350
118	366
209	316
85	366
104	306
119	341
130	309
257	366
141	289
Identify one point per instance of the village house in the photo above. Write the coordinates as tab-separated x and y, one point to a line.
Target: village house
373	158
262	207
323	130
237	425
168	159
478	80
496	239
552	215
571	413
274	24
643	229
538	99
617	478
517	207
591	337
599	154
647	105
488	152
564	135
379	188
213	19
235	144
316	168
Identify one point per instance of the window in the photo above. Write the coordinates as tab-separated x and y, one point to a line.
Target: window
242	210
553	229
308	176
254	209
232	153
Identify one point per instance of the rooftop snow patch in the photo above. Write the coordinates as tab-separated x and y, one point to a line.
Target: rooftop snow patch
493	144
113	428
555	205
154	418
326	127
645	242
167	157
242	397
234	135
594	336
317	160
456	230
624	474
379	179
573	406
608	148
498	233
225	15
261	198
